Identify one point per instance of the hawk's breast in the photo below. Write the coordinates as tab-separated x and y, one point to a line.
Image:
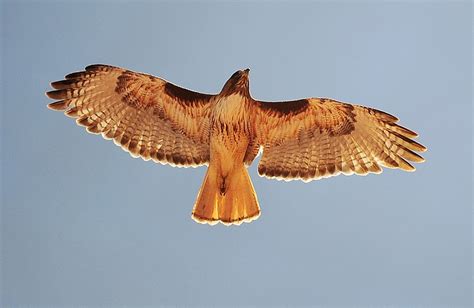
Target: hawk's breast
230	122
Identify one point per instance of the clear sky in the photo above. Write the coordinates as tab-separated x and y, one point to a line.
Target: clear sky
85	224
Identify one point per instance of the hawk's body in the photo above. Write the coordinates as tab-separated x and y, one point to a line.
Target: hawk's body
303	139
227	194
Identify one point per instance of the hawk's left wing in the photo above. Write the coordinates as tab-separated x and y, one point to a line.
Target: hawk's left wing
314	138
145	115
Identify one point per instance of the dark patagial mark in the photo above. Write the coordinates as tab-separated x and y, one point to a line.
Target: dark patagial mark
285	108
185	96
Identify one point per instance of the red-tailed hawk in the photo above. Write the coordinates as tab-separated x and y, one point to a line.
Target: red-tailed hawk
304	139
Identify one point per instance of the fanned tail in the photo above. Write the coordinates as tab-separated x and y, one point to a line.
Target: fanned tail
230	200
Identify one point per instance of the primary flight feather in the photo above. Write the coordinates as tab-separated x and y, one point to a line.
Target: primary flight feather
303	139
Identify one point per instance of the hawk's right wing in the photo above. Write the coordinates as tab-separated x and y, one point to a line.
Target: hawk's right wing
145	115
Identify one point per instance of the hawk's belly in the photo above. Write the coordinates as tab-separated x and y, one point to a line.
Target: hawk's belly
230	133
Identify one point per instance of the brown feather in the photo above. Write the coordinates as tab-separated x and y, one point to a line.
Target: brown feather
341	137
115	102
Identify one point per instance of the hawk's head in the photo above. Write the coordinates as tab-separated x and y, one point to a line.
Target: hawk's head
237	83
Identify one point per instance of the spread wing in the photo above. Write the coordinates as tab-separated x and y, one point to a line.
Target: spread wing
145	115
316	138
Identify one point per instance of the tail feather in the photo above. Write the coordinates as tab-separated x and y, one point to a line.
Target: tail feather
231	200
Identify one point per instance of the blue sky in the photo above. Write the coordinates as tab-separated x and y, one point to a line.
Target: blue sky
85	224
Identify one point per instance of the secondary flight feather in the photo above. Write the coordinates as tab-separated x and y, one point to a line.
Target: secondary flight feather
304	139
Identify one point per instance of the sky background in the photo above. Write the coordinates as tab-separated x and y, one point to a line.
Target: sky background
82	223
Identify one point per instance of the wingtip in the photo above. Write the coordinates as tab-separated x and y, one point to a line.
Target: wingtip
387	116
49	94
57	106
93	66
97	66
62	84
406	166
55	94
55	84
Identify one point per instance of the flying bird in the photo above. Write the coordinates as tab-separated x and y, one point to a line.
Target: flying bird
305	139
